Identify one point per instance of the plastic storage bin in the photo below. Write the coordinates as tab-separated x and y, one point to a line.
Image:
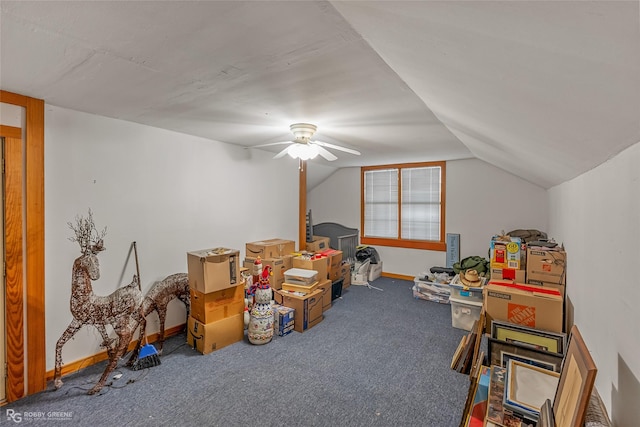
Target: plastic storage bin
462	293
431	291
464	313
300	276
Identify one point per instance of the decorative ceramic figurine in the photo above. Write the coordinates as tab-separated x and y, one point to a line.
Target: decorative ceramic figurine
260	330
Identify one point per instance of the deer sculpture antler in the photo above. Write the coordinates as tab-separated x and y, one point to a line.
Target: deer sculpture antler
86	234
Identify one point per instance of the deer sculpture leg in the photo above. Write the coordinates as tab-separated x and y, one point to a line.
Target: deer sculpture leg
124	337
71	330
142	321
107	343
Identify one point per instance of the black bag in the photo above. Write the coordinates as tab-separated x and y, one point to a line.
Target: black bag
364	253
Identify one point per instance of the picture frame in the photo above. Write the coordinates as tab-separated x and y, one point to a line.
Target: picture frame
553	342
577	378
529	386
546	415
499	352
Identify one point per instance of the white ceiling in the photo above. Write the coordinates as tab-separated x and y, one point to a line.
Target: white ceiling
544	90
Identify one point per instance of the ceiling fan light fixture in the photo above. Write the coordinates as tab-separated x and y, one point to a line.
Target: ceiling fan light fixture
302	151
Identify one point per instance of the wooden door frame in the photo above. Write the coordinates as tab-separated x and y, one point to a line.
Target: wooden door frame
32	243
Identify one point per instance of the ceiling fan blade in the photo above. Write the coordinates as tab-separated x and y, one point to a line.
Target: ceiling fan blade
282	153
336	147
270	144
326	154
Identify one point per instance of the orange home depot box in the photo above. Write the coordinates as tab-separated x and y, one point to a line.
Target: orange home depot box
210	270
308	308
546	266
318	263
209	337
529	305
271	248
217	305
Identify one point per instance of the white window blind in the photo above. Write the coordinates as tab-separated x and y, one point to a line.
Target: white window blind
421	203
381	203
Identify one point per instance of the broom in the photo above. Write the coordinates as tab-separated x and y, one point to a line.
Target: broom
148	356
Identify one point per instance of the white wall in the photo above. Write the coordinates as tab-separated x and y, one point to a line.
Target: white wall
597	215
482	200
169	192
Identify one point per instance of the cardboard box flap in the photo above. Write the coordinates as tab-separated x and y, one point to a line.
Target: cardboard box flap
540	291
212	255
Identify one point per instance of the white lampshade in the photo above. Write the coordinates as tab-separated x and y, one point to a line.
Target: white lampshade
302	151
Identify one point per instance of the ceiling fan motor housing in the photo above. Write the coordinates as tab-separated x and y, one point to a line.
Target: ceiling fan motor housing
303	131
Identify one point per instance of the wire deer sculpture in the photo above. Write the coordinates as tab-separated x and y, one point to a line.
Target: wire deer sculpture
157	299
120	309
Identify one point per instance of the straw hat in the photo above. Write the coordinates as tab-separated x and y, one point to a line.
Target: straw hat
470	278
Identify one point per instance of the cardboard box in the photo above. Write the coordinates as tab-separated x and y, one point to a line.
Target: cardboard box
278	267
283	319
209	337
529	305
305	289
217	305
334	263
319	263
341	272
308	308
272	248
518	276
210	270
319	244
508	254
346	279
547	266
560	288
325	287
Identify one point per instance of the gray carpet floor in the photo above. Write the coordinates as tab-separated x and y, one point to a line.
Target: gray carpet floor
379	358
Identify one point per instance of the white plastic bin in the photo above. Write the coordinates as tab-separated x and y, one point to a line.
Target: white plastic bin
464	313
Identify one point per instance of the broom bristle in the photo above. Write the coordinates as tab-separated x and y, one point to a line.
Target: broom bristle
148	358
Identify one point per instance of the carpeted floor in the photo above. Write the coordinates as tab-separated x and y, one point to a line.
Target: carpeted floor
379	358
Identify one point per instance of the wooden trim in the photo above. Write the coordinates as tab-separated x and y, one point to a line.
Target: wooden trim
36	337
14	268
34	244
68	368
13	98
10	132
398	276
302	207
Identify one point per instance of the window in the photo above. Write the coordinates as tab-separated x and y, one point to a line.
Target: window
404	205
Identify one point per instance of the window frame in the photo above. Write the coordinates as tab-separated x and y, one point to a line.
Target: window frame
399	242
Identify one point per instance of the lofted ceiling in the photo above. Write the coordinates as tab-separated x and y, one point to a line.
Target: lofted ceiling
544	90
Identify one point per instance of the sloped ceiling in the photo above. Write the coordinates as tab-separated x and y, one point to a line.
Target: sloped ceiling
544	90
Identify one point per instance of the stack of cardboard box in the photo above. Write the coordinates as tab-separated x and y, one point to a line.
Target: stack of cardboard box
217	299
527	285
276	253
301	291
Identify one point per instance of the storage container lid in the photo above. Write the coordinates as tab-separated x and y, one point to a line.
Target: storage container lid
301	272
465	302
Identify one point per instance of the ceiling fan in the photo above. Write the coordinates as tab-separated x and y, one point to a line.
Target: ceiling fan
301	147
